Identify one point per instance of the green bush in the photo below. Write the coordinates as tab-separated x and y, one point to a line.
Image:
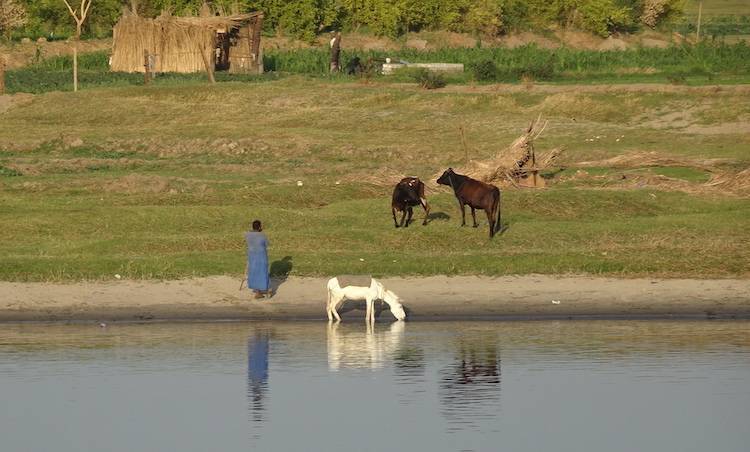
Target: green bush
9	172
305	19
483	70
425	78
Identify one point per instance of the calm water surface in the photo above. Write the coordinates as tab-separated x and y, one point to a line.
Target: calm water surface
484	386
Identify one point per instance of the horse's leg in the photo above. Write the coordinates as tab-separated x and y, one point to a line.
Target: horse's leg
463	213
411	212
393	211
334	304
426	208
371	303
328	305
474	216
368	309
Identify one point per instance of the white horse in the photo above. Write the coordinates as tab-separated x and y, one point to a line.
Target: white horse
337	295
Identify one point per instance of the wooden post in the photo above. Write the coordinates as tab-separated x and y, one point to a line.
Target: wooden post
146	67
75	65
2	74
698	28
207	64
463	143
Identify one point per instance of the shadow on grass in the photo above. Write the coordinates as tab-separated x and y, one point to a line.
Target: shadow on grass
438	216
280	271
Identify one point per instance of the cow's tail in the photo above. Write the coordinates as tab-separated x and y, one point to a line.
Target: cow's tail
498	217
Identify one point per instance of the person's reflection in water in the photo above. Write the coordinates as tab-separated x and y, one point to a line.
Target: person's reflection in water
257	373
470	388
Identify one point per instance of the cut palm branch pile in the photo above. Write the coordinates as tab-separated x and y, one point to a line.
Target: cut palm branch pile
518	164
737	183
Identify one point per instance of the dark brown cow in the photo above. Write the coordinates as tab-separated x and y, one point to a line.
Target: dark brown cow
475	194
408	192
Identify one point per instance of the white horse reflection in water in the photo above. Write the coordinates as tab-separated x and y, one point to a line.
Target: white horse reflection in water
352	348
375	291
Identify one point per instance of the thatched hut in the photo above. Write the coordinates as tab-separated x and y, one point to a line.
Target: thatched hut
188	44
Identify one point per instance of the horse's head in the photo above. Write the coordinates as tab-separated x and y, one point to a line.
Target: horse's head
445	178
397	308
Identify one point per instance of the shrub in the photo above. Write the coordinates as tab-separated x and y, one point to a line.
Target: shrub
426	79
483	70
9	172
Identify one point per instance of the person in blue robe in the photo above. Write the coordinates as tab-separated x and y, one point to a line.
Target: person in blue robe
258	279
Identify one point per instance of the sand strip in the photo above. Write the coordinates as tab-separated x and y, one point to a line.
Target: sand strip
434	297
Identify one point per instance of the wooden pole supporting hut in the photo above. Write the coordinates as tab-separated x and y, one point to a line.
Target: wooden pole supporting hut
2	74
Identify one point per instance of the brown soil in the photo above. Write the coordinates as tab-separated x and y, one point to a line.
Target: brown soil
533	296
9	100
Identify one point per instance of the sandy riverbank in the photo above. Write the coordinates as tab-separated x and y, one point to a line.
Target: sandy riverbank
425	298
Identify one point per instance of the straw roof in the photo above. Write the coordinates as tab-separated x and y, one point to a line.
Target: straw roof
212	22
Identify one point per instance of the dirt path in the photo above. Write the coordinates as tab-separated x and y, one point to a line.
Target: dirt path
425	298
589	88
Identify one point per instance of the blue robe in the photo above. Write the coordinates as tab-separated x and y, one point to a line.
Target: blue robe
257	261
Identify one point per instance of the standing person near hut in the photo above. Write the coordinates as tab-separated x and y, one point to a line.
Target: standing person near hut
335	52
258	279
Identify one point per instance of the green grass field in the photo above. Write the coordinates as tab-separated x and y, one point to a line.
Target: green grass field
162	181
706	63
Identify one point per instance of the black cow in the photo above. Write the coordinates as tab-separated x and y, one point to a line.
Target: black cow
477	195
408	192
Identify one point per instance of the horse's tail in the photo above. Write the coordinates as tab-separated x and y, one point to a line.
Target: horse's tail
496	211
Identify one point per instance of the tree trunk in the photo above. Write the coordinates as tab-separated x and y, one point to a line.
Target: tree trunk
75	55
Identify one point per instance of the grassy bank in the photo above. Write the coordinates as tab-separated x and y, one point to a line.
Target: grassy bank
695	65
161	181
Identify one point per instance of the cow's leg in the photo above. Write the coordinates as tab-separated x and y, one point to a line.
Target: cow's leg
426	208
474	216
403	217
411	212
393	211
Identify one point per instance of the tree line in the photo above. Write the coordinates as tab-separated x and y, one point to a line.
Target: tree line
305	19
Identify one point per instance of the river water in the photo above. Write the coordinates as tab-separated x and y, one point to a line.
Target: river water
442	386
